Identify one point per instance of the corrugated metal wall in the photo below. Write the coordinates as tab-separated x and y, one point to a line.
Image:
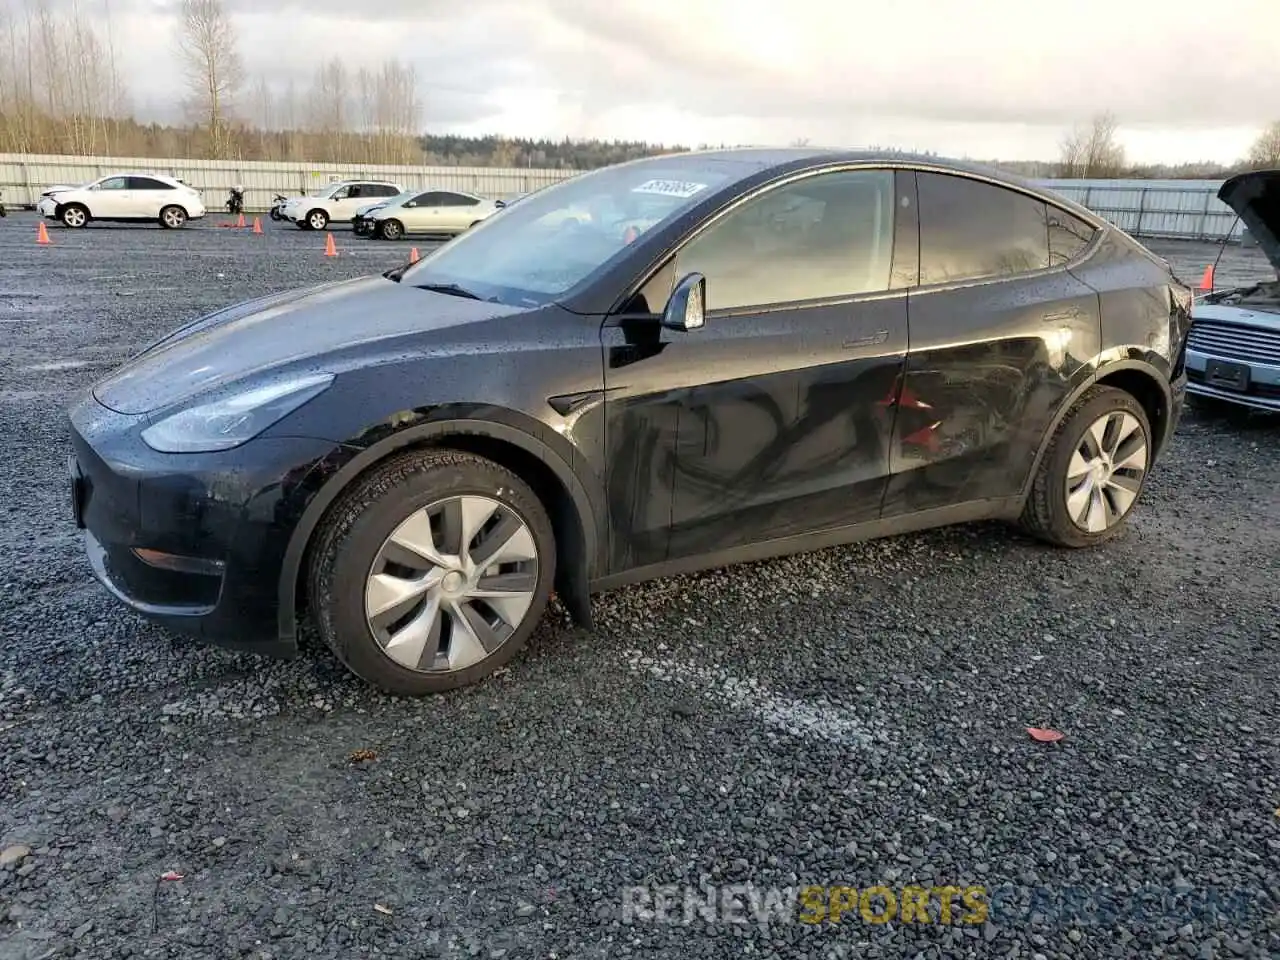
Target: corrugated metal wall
24	176
1182	209
1187	209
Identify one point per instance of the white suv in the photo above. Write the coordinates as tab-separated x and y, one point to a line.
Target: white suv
149	197
338	202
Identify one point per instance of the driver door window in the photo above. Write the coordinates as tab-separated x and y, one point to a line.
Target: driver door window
820	238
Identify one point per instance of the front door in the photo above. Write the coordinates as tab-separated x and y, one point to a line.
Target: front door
112	198
768	421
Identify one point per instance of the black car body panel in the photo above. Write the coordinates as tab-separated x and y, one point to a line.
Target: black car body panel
1255	197
774	428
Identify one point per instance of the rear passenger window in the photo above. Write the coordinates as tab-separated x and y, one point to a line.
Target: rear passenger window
1068	236
971	230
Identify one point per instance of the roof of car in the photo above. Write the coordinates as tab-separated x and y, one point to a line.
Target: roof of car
764	157
751	159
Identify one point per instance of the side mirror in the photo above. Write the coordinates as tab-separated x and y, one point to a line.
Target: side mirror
687	304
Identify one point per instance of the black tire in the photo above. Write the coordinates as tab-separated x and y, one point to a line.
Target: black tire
390	229
316	220
74	215
361	520
173	217
1045	514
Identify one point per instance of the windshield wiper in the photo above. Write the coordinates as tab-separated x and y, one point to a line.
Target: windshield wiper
450	288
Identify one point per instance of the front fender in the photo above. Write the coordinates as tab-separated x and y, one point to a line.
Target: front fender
351	460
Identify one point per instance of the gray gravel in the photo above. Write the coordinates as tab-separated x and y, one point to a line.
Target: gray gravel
855	716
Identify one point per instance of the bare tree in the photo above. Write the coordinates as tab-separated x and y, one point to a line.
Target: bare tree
210	58
1092	150
330	113
1265	152
396	112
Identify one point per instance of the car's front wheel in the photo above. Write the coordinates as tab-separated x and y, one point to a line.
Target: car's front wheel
317	220
74	216
432	572
390	229
1093	471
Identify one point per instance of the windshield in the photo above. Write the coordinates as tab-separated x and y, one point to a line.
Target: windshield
531	252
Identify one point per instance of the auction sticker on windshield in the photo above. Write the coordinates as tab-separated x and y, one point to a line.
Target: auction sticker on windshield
670	188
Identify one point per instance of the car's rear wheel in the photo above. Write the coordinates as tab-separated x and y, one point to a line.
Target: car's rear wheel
173	217
74	216
1093	472
432	572
390	229
317	220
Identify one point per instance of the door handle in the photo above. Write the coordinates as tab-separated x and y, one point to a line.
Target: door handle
880	336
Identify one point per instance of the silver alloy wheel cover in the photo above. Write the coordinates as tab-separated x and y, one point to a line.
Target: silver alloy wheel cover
174	217
1106	470
451	584
318	221
73	217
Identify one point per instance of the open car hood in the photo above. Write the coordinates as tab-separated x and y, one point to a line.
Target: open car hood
1255	197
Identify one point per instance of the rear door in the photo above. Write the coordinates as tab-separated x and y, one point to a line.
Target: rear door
1001	333
459	210
150	196
764	423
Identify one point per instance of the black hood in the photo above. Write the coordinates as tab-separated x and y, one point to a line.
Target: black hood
1255	197
319	328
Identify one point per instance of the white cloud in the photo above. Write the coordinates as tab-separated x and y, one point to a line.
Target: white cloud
999	78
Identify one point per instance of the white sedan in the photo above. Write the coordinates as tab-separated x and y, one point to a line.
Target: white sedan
125	197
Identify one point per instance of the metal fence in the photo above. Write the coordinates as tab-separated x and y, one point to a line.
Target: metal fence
24	176
1174	209
1179	209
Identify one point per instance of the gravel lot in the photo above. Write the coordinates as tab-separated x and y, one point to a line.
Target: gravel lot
855	716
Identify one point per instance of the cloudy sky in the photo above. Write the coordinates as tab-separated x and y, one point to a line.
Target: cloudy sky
980	78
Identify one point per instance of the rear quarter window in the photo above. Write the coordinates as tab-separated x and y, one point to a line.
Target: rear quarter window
971	230
1069	236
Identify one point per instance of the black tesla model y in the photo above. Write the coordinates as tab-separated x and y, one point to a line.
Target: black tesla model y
677	363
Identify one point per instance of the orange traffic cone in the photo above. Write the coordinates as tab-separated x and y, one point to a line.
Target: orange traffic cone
330	248
42	234
240	222
257	225
413	255
1206	282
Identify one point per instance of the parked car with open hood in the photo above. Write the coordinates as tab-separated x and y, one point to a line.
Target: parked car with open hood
671	364
430	213
337	202
1233	352
125	197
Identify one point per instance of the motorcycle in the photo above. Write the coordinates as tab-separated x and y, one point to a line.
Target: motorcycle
235	200
277	206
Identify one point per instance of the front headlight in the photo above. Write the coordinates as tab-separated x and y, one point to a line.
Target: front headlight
231	421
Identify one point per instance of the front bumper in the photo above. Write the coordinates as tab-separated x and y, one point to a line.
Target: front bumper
1232	380
46	207
194	542
362	226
